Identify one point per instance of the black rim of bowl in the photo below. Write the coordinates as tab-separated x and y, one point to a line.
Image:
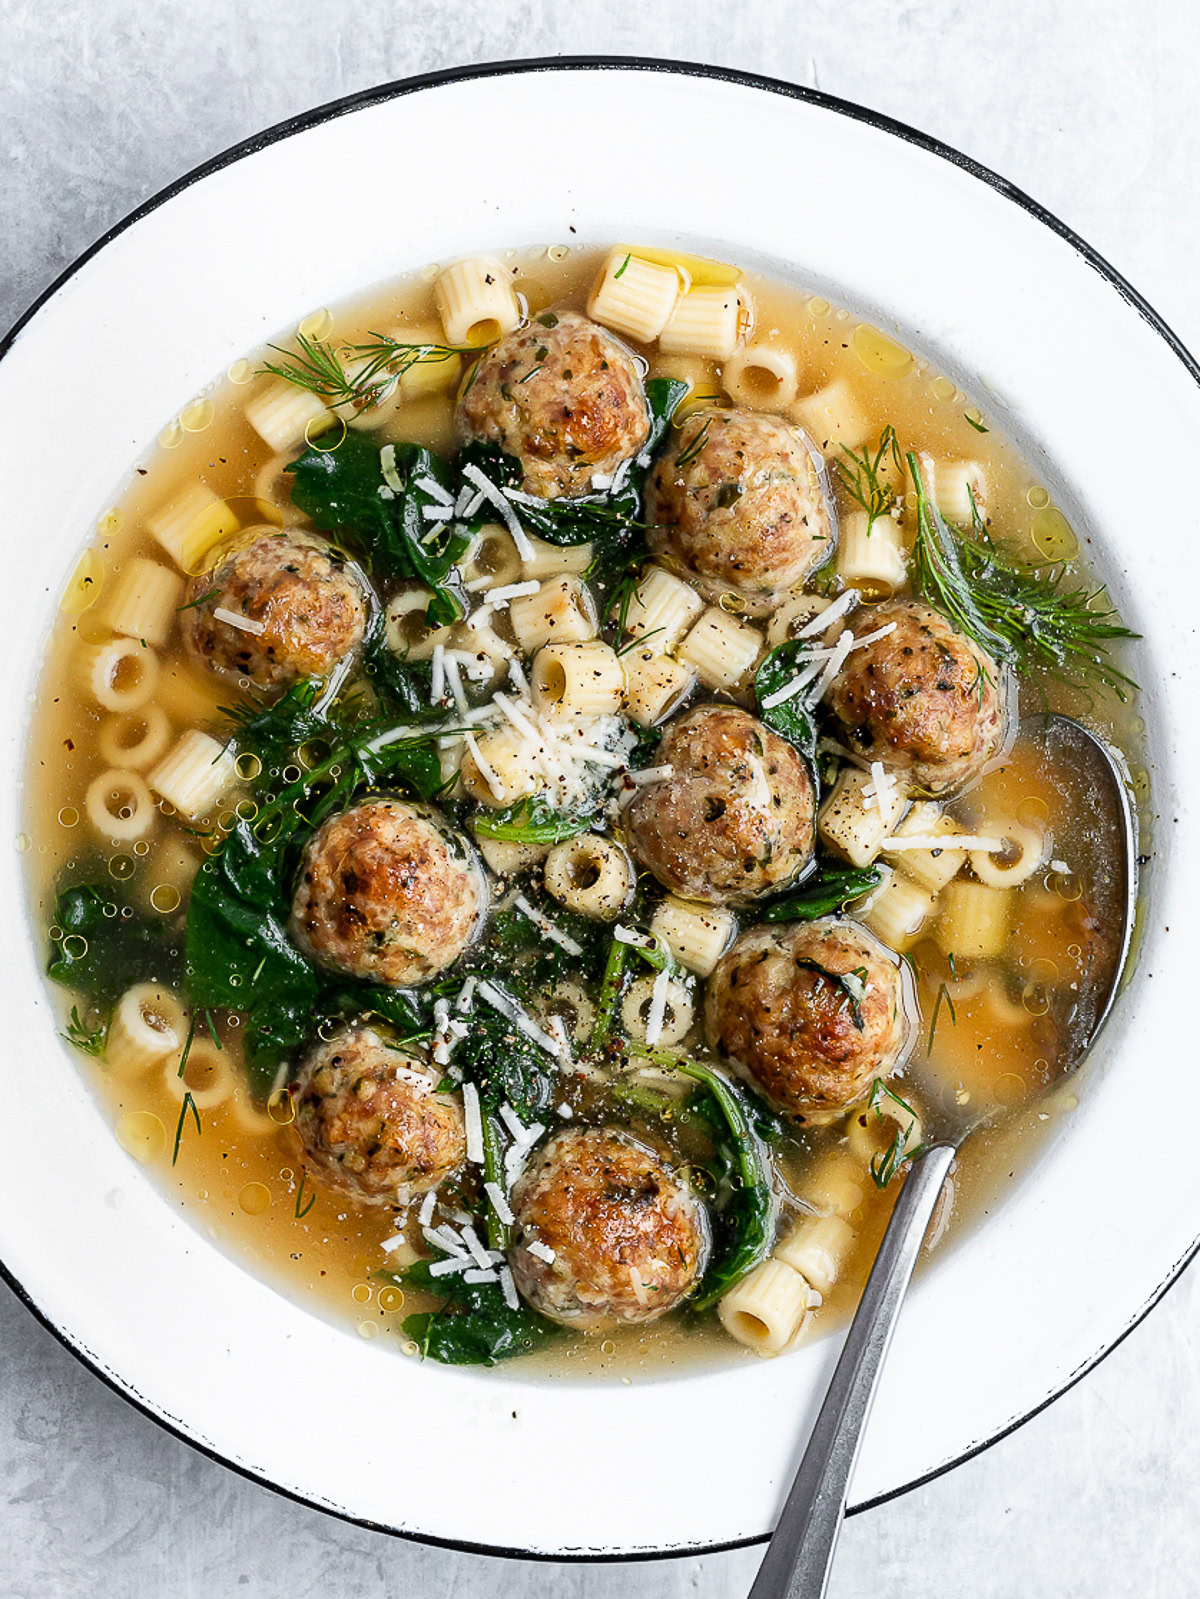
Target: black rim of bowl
496	69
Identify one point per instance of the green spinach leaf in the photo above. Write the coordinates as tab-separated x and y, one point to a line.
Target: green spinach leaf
830	890
474	1327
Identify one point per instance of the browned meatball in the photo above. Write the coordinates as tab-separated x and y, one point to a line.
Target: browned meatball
628	1240
735	818
303	603
738	502
388	892
372	1122
812	1012
564	397
925	700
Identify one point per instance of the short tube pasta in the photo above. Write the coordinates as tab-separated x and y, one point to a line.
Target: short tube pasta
578	680
931	868
974	919
555	560
837	1185
851	827
475	301
207	1076
431	376
499	768
833	418
285	415
591	875
405	627
678	1016
654	685
703	323
148	1024
506	858
194	775
955	485
191	523
634	297
492	559
120	806
767	1309
662	607
761	377
817	1247
120	675
870	1135
696	935
720	649
794	614
871	555
272	487
899	912
144	601
134	739
1025	854
562	610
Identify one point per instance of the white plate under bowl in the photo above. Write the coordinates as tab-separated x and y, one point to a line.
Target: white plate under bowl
947	256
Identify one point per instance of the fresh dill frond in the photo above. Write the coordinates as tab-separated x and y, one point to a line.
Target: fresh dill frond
301	1213
91	1039
971	422
189	1104
695	444
359	375
201	599
1025	615
888	1162
860	475
943	998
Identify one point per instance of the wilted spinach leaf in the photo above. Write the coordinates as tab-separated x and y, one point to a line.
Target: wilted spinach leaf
475	1327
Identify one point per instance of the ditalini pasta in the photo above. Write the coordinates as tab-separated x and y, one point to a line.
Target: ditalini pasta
634	296
761	377
145	600
662	607
476	301
704	323
720	649
529	812
148	1024
194	774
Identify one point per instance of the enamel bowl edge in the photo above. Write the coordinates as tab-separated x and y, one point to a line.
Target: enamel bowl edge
1068	358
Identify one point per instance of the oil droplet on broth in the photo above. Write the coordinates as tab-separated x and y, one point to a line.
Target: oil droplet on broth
818	306
1037	497
23	843
361	1293
943	389
316	325
240	372
110	523
1053	536
171	436
194	418
368	1329
141	1135
391	1299
83	585
255	1198
879	354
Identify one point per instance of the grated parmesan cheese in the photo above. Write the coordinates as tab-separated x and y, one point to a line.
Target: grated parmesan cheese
244	624
474	1124
658	1006
500	1203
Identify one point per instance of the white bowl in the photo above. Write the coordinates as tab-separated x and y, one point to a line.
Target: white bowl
1079	370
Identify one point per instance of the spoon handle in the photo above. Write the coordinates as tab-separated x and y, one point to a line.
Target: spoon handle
800	1554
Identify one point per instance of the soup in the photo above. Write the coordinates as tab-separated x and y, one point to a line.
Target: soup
540	810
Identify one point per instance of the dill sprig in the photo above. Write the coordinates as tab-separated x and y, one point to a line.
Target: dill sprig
888	1162
860	476
1025	615
358	375
189	1104
92	1040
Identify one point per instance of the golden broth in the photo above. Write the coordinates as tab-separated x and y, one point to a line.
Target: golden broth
987	1032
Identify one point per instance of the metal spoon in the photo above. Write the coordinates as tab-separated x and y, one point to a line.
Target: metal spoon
800	1555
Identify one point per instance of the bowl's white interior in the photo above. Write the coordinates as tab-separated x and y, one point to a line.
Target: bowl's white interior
1043	1286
